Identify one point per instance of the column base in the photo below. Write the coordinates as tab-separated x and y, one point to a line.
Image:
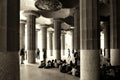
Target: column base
31	56
89	64
107	53
9	66
58	54
115	57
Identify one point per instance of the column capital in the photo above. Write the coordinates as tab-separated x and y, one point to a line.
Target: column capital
44	25
31	12
23	21
58	19
51	31
37	29
63	32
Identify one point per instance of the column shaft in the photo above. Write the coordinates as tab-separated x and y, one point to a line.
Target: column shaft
63	43
57	33
72	39
107	39
51	43
89	40
31	38
44	37
9	41
37	38
22	35
114	33
77	29
44	42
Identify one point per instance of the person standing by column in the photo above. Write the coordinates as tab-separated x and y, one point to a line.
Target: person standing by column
44	55
22	53
69	56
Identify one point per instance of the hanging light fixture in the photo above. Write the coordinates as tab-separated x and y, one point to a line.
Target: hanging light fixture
48	5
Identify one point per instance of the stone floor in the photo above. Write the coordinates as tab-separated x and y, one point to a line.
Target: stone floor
32	72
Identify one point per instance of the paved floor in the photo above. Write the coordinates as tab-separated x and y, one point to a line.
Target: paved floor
32	72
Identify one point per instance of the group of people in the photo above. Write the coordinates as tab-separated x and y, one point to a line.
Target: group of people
63	66
109	72
22	55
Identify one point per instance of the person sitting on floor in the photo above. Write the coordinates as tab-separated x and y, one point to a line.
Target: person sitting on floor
48	64
55	64
42	64
52	64
69	67
62	67
73	70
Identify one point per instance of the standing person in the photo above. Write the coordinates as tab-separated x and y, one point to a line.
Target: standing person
69	53
38	53
44	55
76	57
22	53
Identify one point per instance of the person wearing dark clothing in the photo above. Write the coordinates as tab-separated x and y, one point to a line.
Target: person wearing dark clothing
38	53
76	57
44	55
22	53
52	64
69	53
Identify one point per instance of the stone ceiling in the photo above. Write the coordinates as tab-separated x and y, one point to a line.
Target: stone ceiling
66	12
45	18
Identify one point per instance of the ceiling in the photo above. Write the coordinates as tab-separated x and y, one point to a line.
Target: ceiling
66	12
45	18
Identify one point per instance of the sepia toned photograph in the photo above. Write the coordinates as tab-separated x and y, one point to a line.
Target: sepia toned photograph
59	40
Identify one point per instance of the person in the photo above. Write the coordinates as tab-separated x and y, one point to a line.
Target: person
22	53
49	64
76	57
38	53
55	63
73	70
42	65
44	55
52	64
69	53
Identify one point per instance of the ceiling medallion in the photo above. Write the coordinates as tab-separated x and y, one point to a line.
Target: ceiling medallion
48	5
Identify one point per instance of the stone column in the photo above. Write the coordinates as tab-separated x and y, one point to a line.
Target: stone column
76	29
44	37
114	33
63	42
89	41
51	42
31	21
44	41
37	30
57	34
9	40
72	32
22	34
107	39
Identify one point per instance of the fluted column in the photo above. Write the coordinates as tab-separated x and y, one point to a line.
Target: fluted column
22	34
106	39
63	42
51	42
114	33
89	40
9	40
57	34
76	29
31	21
